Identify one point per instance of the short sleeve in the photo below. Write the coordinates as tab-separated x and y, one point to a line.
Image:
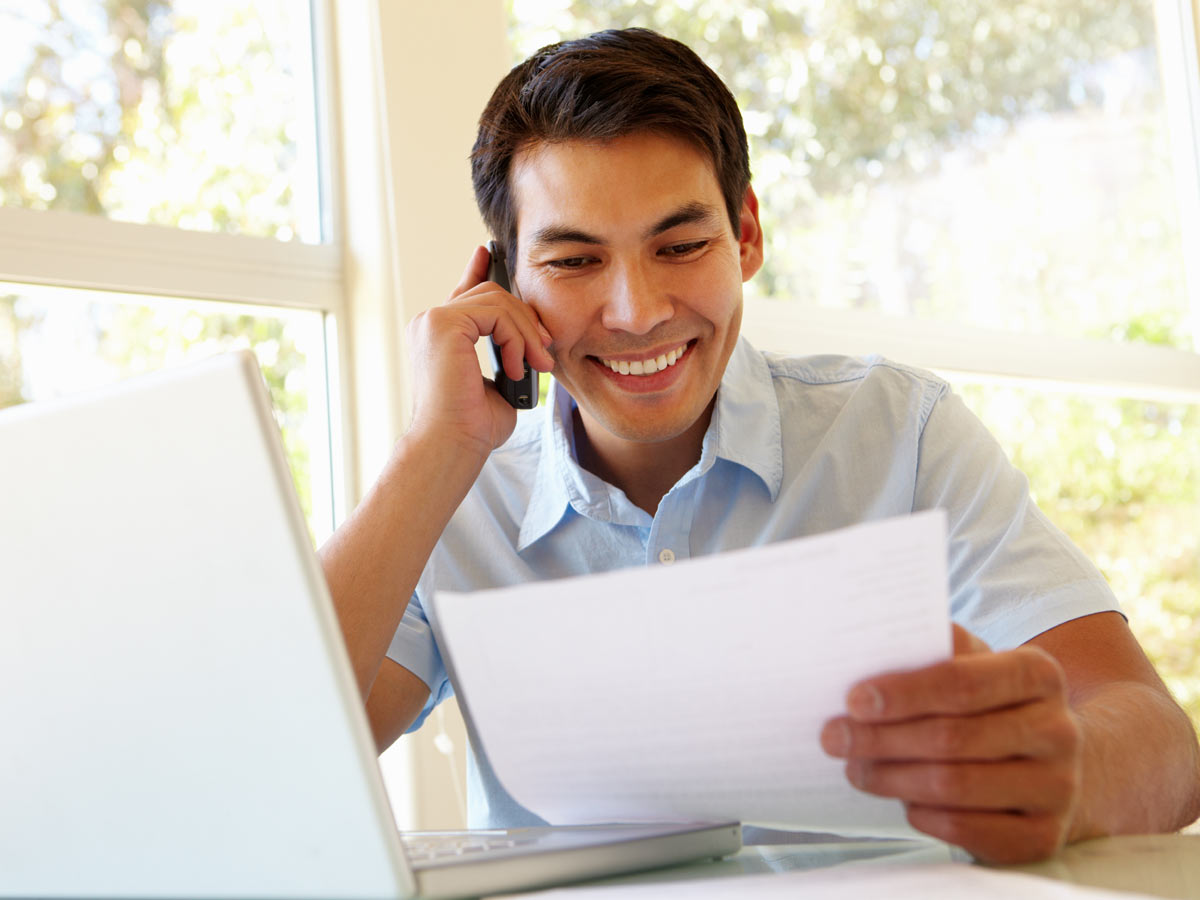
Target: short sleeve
1013	574
413	646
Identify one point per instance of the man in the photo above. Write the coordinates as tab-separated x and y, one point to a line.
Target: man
614	172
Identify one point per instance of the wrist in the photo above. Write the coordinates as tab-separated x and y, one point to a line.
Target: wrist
450	459
442	445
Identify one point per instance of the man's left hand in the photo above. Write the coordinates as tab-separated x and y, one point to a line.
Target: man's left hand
983	749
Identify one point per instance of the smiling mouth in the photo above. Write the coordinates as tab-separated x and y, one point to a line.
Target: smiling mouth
645	366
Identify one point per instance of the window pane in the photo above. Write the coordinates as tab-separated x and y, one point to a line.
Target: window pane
1007	166
1122	477
55	341
189	113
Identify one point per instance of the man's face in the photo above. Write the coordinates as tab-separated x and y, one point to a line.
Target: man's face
626	251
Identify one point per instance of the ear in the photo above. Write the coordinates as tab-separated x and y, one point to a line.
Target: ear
750	236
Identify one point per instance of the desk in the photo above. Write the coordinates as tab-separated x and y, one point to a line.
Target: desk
1157	865
1163	865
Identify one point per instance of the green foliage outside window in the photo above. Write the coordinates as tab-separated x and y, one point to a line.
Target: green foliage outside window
180	114
132	336
1118	475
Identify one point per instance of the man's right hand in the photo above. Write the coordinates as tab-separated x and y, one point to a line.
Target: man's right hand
452	401
374	560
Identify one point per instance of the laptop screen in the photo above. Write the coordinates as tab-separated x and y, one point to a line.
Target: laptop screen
180	718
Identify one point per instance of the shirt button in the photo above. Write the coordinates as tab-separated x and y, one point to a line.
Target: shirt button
666	557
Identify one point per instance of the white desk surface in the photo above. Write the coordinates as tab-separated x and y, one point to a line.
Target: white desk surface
1155	865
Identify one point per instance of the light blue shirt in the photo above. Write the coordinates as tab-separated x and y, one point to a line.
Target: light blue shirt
796	446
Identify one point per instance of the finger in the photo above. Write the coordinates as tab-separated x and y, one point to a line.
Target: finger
538	339
514	325
512	356
533	332
965	642
995	837
1031	786
960	686
519	333
1042	729
535	343
474	274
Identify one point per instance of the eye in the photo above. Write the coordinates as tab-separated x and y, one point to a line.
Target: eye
680	251
570	262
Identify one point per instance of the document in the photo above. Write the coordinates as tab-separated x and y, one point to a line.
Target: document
698	691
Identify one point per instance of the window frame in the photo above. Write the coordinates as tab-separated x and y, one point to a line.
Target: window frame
1164	373
409	223
126	257
379	265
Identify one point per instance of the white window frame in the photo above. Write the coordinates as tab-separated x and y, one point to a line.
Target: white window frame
411	81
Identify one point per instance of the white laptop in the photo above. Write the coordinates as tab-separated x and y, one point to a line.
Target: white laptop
177	712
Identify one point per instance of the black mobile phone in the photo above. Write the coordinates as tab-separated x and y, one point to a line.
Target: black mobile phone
522	394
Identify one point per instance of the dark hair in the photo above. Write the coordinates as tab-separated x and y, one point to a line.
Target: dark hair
603	86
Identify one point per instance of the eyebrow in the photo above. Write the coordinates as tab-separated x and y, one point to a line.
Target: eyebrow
687	214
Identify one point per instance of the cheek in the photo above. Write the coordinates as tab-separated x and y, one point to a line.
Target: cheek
565	313
564	328
550	315
720	304
713	292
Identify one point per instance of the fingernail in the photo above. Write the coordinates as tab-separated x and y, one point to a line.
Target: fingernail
835	738
864	701
547	340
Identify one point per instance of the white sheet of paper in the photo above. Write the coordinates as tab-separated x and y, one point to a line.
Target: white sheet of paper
698	691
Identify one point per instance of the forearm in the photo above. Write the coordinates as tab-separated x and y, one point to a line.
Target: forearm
373	561
1140	764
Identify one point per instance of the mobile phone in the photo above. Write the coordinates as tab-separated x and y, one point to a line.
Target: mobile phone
522	394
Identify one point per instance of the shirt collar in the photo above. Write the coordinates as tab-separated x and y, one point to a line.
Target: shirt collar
745	430
745	427
558	475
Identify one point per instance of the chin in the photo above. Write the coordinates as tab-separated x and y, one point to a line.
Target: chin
645	429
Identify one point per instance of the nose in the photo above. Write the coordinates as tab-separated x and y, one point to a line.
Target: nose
634	301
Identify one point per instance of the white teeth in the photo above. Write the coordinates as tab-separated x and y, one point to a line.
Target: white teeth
646	366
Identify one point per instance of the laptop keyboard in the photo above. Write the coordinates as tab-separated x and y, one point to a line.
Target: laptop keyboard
442	846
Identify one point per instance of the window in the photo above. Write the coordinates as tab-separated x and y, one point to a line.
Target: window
57	340
1001	193
166	192
172	112
215	212
161	189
